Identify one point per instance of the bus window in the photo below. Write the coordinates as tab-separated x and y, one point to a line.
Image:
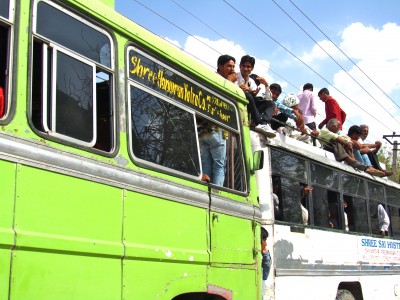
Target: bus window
334	218
326	208
353	185
291	202
5	9
167	113
289	165
72	79
163	133
324	176
360	215
394	215
276	190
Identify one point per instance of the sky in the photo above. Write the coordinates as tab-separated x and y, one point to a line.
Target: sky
351	47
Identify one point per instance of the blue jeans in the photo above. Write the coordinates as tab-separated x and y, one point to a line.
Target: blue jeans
362	158
213	154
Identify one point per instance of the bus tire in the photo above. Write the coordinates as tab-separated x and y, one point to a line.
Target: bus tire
344	295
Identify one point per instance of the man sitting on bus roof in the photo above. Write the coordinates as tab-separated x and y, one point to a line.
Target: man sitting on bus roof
342	147
354	133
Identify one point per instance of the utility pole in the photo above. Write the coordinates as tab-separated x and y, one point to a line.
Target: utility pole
395	149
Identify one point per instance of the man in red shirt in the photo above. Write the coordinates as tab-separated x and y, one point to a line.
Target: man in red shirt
332	108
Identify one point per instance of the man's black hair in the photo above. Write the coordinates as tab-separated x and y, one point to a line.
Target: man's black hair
254	77
247	58
223	59
323	90
355	129
264	233
308	86
275	86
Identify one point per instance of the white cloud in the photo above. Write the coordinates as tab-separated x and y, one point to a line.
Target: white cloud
377	53
173	42
320	51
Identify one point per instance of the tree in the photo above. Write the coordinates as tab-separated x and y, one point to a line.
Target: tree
385	156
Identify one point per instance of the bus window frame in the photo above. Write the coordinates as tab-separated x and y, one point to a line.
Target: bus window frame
169	66
144	162
97	66
51	128
8	23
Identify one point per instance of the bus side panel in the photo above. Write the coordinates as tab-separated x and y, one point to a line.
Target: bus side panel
166	248
68	238
7	188
234	266
241	282
229	246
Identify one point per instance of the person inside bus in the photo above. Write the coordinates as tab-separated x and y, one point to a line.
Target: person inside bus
383	220
276	187
345	212
251	89
342	147
305	192
333	215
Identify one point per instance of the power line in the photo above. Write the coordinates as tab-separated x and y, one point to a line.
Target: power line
334	60
269	69
356	65
172	23
290	52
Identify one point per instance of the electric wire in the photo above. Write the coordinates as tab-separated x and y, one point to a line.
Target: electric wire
300	60
356	65
318	44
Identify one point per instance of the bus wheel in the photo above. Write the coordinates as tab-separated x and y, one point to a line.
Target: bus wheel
344	295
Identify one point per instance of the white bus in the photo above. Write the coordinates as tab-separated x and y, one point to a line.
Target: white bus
324	256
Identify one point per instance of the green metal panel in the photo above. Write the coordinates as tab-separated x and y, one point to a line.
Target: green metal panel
41	275
7	188
68	237
242	282
110	3
232	240
152	279
166	247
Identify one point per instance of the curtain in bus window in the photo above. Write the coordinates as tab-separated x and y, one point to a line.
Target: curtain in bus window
4	8
74	98
292	166
73	34
163	133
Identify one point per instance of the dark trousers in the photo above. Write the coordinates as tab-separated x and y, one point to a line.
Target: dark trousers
260	110
312	126
374	160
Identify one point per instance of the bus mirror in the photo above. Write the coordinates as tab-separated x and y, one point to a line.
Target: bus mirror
258	161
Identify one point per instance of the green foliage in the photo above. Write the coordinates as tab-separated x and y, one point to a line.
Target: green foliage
385	156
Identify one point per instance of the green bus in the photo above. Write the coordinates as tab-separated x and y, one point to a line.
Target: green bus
101	191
